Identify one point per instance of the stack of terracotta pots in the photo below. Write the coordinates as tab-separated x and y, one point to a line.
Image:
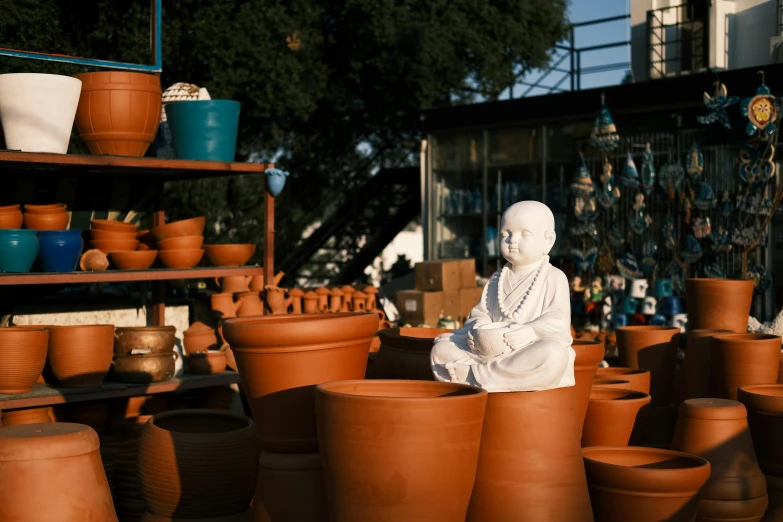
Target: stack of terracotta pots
46	217
404	353
206	355
108	235
239	296
27	416
144	354
180	242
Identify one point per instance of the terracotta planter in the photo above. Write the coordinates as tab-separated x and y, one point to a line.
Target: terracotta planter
774	511
764	403
144	368
282	358
739	359
181	243
57	221
156	339
697	363
434	462
198	463
10	217
589	355
526	472
22	358
653	348
644	484
405	353
27	416
718	304
80	355
207	363
611	415
290	486
250	304
53	472
230	255
118	112
134	260
180	258
638	378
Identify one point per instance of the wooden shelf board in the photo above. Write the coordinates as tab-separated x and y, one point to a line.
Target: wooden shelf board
45	395
118	276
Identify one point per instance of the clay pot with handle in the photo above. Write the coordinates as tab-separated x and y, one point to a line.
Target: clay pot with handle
234	284
249	304
276	301
296	294
224	305
155	339
257	283
335	300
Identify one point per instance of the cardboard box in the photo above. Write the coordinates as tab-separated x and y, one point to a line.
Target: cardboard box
419	307
445	275
468	298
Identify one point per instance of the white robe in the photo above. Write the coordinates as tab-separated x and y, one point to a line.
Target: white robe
546	363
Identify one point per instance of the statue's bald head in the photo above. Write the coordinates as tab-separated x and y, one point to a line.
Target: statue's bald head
533	212
527	232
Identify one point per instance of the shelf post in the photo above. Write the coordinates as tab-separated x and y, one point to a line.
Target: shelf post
269	239
159	287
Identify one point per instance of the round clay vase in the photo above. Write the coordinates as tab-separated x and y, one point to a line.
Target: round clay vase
22	357
739	359
589	355
653	348
718	304
155	339
27	416
417	463
530	462
611	415
290	487
18	250
53	472
80	356
764	403
697	363
644	484
198	463
282	358
405	353
60	250
197	339
10	217
638	378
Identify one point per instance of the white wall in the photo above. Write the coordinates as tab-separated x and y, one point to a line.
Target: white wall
409	242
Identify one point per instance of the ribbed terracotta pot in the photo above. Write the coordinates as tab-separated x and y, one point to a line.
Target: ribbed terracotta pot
405	353
22	357
282	358
198	463
764	403
290	486
644	484
739	359
53	472
530	462
589	355
697	363
774	511
80	355
722	304
653	348
611	415
27	416
399	450
638	378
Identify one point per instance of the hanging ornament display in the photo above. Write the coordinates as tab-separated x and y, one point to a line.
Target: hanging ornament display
584	259
605	262
629	177
628	266
615	236
757	165
677	271
671	177
648	170
608	194
692	251
649	257
582	184
604	136
762	279
701	227
669	235
717	105
721	241
639	220
715	270
694	162
704	196
725	207
761	111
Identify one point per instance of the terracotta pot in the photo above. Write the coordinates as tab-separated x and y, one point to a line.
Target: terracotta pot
764	403
156	339
22	358
118	112
224	305
644	484
234	284
80	355
53	472
144	368
697	363
198	463
774	511
359	300
182	243
27	416
229	255
124	234
135	260
249	304
323	299
589	355
348	292
719	304
52	208
290	486
111	224
654	426
434	462
280	360
611	415
780	369
526	472
12	220
739	359
94	414
114	245
310	303
231	362
372	297
207	363
745	510
58	221
638	378
405	353
240	517
612	383
186	227
93	260
200	340
653	348
180	258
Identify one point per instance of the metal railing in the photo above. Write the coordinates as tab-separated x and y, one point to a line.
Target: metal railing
678	39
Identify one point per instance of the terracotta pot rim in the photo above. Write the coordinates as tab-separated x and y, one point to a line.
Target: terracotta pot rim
622	370
337	389
205	439
151	355
741	282
627	396
647	327
63	327
71	440
744	337
713	409
233	245
123	329
755	399
394	336
597	382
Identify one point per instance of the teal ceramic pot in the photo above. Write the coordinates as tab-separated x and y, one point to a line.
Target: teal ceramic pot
18	250
204	129
60	250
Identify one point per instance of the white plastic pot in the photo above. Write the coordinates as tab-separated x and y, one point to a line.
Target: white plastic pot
37	111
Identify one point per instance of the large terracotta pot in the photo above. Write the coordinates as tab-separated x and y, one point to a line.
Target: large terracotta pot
530	462
81	355
290	487
654	426
53	472
589	355
118	112
638	378
405	353
22	358
399	450
697	363
739	359
774	511
764	403
653	348
611	415
282	358
198	463
27	416
156	339
717	430
718	304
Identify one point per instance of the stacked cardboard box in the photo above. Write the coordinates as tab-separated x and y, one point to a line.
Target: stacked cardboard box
445	286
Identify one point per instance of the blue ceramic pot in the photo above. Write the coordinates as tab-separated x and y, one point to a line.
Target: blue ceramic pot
658	320
275	181
630	305
18	251
204	129
620	321
670	306
60	249
16	232
663	288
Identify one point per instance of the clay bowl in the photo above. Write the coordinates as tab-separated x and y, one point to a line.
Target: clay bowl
114	245
110	224
181	243
133	259
11	217
156	339
638	378
9	209
180	258
207	363
54	208
54	221
229	255
186	227
144	368
112	235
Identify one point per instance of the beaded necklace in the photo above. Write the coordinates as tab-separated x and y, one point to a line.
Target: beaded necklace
504	274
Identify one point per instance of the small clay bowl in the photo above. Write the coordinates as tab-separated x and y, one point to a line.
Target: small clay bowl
109	224
180	258
114	245
112	234
9	208
55	221
11	218
54	208
186	227
145	236
144	246
133	259
229	255
181	243
207	363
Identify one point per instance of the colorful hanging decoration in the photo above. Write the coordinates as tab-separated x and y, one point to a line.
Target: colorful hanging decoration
715	270
704	196
692	251
584	259
604	136
639	220
608	194
717	105
761	111
677	271
694	162
648	170
628	266
605	262
669	237
670	177
762	279
757	165
585	209
649	257
629	178
615	236
721	241
582	184
725	206
702	227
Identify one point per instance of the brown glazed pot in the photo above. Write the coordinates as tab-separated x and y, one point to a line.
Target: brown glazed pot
774	511
22	358
282	358
697	363
530	462
653	348
144	368
198	463
589	355
53	472
27	416
644	484
412	446
764	403
718	304
405	353
290	487
739	359
156	339
638	378
611	415
80	355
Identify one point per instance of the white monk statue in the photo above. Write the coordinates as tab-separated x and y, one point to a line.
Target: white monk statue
518	337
